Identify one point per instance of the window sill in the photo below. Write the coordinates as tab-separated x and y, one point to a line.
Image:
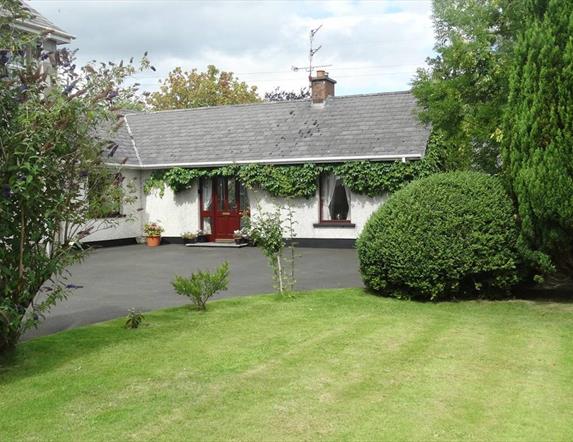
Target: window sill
327	225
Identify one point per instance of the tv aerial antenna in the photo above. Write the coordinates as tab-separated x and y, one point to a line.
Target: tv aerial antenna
311	53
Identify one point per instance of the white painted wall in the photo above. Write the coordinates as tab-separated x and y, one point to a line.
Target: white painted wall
306	212
179	213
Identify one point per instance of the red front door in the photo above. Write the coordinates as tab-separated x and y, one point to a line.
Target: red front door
223	202
227	207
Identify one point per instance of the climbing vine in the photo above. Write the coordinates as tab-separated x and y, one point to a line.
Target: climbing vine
376	178
282	181
363	177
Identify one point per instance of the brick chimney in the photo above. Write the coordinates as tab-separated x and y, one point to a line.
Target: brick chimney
322	86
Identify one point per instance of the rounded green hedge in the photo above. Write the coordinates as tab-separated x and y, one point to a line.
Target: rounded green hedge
445	236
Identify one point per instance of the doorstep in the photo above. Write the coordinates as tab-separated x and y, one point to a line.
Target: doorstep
228	245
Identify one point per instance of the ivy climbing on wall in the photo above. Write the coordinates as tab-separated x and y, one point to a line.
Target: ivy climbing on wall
370	178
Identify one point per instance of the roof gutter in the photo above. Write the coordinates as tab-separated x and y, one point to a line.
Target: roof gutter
59	36
403	158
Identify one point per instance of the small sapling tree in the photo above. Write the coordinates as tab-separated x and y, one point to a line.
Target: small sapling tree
270	232
202	285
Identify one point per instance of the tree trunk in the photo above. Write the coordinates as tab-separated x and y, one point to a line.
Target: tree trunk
280	274
9	335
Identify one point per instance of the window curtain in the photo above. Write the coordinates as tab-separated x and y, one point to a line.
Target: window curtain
244	199
349	200
207	193
207	225
328	186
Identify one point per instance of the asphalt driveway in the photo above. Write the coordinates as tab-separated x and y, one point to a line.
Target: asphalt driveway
113	280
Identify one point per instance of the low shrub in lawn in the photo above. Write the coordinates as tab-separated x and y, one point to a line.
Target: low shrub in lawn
451	234
134	318
202	285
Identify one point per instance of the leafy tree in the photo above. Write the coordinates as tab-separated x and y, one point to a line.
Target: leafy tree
184	89
133	105
278	94
52	142
538	135
464	90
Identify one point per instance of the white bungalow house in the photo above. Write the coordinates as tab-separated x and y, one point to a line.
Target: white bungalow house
324	129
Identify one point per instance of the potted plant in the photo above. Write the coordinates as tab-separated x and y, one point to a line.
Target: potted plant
189	237
201	236
241	236
153	234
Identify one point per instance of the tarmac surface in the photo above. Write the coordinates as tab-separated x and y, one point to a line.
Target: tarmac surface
113	280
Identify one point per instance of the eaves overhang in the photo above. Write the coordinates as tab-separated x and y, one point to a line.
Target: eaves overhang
274	161
58	36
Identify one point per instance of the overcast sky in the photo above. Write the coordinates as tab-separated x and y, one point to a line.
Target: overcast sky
373	46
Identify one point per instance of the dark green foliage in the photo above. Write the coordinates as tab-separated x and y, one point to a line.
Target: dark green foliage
202	285
448	235
464	90
301	181
49	156
377	178
134	319
538	144
104	200
370	178
178	178
283	181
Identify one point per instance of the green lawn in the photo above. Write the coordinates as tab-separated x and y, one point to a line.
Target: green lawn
336	364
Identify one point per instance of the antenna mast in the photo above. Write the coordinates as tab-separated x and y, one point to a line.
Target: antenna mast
312	51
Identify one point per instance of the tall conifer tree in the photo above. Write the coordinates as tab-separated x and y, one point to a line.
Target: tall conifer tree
538	135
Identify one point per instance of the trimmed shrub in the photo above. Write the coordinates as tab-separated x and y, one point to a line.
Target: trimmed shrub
202	285
448	235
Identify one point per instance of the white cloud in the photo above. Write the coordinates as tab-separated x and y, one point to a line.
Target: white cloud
372	45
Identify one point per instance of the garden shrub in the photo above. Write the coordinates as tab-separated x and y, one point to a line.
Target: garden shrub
134	319
444	236
202	285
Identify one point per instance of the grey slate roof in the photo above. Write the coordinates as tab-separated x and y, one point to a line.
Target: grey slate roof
378	126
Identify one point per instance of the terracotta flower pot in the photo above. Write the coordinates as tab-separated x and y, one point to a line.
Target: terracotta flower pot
153	241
